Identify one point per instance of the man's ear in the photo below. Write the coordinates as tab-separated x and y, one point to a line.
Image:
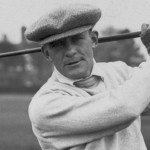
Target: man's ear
45	52
94	37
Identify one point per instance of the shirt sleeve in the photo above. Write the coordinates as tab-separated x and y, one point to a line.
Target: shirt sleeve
61	120
146	111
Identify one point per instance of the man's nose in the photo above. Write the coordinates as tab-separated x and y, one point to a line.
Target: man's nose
70	48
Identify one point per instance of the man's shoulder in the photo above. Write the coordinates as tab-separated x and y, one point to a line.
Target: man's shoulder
115	64
45	94
52	86
115	68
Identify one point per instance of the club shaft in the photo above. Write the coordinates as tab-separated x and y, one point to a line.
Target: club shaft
100	40
20	52
119	37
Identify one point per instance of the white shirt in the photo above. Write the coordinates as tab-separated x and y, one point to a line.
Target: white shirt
67	117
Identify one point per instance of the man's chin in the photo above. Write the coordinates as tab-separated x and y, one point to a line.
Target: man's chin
76	71
75	75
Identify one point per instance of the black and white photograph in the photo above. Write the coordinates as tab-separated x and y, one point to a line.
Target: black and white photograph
74	75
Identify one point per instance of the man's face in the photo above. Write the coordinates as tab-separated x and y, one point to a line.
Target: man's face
73	56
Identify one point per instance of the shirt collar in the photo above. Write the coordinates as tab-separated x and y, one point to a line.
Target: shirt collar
61	78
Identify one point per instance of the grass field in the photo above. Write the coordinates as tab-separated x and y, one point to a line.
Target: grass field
15	128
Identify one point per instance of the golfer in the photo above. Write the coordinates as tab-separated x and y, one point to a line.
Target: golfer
86	105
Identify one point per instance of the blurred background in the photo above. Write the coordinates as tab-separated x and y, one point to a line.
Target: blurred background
22	76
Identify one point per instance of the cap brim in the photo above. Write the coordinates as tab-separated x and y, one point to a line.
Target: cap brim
65	34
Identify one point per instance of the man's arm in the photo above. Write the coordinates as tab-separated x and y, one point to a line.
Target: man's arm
146	112
145	38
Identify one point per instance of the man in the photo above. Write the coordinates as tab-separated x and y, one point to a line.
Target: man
86	105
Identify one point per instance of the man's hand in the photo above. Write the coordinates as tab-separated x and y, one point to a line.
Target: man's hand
145	36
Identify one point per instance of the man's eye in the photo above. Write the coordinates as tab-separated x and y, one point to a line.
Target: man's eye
52	44
55	44
78	37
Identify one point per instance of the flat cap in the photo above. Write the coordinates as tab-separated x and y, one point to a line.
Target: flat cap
63	21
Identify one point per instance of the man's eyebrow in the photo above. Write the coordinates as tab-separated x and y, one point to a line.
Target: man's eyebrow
78	35
57	41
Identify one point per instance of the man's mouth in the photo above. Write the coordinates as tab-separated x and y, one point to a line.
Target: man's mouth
71	63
